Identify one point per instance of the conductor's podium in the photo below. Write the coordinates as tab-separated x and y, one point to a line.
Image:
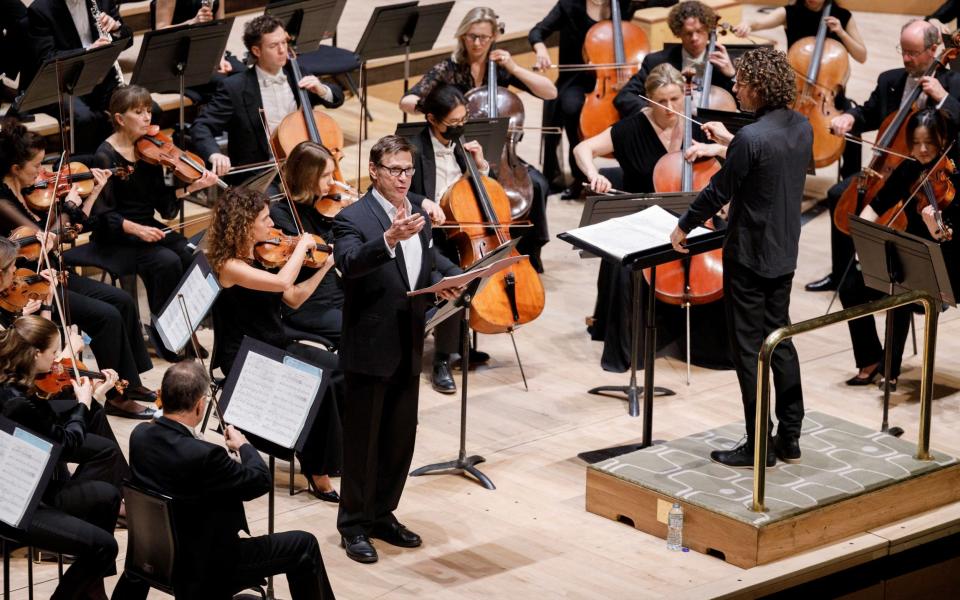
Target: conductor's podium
851	479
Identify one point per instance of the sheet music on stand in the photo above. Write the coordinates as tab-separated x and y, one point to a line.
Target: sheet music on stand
26	466
199	289
273	394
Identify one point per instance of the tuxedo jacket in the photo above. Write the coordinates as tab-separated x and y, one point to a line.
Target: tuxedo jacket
51	32
208	490
383	328
235	109
425	178
13	20
885	99
627	101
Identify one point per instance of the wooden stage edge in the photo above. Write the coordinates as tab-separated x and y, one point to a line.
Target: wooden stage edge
746	545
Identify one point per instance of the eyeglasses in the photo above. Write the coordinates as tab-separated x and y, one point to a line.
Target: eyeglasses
909	53
474	38
462	121
397	171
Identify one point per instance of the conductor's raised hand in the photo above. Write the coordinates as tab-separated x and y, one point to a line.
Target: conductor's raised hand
678	239
717	132
403	227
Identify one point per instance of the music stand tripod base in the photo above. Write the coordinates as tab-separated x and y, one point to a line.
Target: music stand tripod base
465	465
630	393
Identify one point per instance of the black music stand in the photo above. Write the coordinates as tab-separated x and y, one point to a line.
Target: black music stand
894	262
490	133
74	73
399	28
309	22
464	464
733	121
602	208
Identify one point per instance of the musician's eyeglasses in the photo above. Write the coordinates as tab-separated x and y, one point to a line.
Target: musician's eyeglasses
474	38
910	53
459	123
397	171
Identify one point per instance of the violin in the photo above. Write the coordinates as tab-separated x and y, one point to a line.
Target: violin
27	239
938	192
888	152
714	96
694	279
331	204
277	250
27	285
62	373
489	102
513	296
157	148
40	194
620	46
822	66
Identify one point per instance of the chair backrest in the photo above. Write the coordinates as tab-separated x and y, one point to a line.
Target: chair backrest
151	543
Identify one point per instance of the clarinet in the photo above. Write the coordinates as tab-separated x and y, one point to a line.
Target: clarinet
95	13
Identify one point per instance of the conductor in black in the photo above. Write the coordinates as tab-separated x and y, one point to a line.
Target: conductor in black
762	180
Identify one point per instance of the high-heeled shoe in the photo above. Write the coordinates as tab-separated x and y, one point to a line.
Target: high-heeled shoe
866	379
332	496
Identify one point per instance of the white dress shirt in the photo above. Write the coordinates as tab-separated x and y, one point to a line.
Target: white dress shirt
80	12
277	96
923	100
412	248
447	169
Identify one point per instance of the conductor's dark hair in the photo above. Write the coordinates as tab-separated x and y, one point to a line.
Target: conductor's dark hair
183	385
932	120
441	101
259	27
17	145
390	144
769	73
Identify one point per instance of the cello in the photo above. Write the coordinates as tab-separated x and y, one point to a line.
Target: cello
513	296
894	139
617	49
826	65
492	101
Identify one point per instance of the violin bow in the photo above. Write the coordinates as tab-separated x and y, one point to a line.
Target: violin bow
283	181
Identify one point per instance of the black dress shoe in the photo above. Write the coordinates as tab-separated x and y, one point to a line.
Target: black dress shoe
140	394
866	379
742	456
359	548
145	414
827	284
396	535
442	378
893	384
787	449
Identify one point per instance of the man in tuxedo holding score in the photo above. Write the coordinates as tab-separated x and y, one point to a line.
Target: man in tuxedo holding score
384	249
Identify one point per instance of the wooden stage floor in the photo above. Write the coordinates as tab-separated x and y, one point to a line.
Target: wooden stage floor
532	537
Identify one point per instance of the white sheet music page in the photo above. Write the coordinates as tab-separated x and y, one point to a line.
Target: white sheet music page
23	457
199	292
272	399
643	230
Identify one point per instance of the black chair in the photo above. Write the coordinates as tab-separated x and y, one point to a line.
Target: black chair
330	61
9	542
152	543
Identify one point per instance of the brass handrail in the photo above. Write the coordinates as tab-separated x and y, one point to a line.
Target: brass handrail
931	311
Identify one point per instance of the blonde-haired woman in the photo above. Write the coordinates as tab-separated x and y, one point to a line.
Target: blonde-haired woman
467	67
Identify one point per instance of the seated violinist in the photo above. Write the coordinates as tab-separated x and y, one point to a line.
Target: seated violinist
928	136
126	213
270	85
106	313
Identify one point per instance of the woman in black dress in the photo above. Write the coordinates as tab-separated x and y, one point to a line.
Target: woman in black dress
637	143
106	313
126	223
251	304
927	136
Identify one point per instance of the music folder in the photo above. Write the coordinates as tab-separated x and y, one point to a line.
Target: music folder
26	466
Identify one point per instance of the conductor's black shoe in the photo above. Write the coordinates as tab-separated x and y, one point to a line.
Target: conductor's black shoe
359	548
396	535
742	456
827	284
442	378
787	448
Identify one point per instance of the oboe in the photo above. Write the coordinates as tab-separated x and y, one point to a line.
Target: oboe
95	13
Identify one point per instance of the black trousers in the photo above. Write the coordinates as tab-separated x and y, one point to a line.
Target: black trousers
867	349
109	315
563	112
756	306
841	244
532	239
295	554
317	318
159	264
77	518
380	429
323	452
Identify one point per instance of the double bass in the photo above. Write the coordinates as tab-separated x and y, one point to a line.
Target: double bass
893	138
617	49
492	101
513	296
822	66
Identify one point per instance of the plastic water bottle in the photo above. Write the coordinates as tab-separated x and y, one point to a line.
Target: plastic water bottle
675	528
